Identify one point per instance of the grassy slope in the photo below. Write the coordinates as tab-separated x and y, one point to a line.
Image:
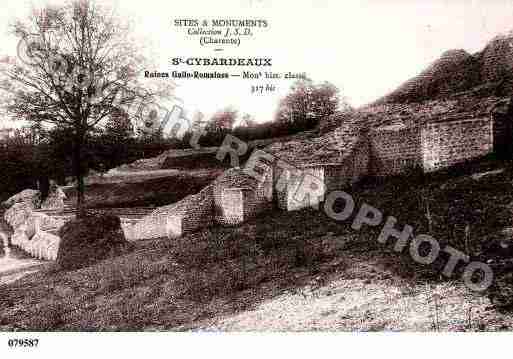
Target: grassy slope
295	271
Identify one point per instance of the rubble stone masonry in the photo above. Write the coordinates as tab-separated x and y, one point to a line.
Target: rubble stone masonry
447	143
237	196
395	149
247	195
353	167
301	188
234	203
186	216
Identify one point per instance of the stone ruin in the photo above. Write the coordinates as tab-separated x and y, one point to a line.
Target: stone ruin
34	232
431	146
187	215
55	198
392	148
233	198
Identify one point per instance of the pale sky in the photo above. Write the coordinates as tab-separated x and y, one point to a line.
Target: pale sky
366	48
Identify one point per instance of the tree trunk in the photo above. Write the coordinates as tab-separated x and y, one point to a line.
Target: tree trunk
77	166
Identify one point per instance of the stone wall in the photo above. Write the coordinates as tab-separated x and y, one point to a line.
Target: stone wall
395	149
55	199
301	188
232	199
282	186
36	234
42	245
448	143
306	186
235	191
198	214
232	204
186	216
352	168
31	196
503	133
150	227
235	196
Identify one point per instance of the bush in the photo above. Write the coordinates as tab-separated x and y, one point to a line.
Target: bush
87	240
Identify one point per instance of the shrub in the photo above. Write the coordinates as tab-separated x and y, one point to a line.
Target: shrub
87	240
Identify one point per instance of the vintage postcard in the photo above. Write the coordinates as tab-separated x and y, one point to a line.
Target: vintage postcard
255	166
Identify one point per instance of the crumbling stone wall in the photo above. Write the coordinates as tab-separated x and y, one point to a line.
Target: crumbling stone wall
43	245
359	161
222	202
198	213
301	188
285	186
150	227
30	196
236	196
34	235
232	205
235	191
338	176
352	168
186	216
264	191
395	149
55	198
447	143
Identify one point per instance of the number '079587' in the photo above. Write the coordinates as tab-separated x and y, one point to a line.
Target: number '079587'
23	343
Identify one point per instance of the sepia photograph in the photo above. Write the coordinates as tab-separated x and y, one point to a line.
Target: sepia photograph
253	167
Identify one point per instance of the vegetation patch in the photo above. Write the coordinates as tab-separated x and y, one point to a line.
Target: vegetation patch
89	239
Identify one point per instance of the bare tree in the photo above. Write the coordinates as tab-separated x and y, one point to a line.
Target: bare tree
76	67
